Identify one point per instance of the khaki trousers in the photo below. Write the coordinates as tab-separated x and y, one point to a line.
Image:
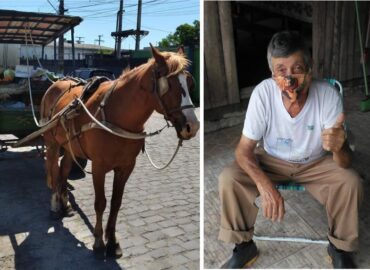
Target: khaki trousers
338	189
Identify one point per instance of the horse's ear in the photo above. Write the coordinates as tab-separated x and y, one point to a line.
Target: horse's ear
159	59
181	50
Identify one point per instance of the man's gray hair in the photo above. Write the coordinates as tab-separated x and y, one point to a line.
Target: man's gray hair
285	43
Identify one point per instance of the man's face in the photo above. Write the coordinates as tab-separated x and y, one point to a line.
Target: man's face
291	75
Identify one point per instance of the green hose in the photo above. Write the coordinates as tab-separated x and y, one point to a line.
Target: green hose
361	48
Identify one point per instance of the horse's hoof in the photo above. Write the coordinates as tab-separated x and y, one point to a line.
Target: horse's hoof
99	253
68	211
114	250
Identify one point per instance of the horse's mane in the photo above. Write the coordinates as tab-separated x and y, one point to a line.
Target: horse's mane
175	62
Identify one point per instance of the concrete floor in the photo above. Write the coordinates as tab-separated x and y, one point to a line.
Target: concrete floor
305	217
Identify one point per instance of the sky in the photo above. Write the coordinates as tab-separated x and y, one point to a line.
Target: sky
159	17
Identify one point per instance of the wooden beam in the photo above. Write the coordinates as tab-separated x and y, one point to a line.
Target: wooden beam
227	37
215	94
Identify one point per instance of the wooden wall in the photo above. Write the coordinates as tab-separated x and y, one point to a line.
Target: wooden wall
220	74
335	47
336	51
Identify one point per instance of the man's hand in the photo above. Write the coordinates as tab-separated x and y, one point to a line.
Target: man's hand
272	201
333	138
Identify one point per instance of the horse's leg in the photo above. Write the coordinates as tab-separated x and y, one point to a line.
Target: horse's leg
65	168
100	204
120	178
52	174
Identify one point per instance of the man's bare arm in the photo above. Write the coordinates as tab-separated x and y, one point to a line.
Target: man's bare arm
272	201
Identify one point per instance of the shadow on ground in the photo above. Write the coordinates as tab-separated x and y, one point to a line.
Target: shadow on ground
28	237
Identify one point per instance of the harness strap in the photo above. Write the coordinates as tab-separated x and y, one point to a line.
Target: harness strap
77	136
62	121
181	108
113	130
104	101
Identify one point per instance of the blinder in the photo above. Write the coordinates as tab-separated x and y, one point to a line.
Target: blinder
160	88
163	86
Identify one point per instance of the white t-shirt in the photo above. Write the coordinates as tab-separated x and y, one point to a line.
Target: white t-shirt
298	139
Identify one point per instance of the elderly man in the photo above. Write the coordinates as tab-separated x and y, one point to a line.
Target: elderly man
300	122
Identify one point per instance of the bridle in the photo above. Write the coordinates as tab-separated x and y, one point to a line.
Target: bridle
160	88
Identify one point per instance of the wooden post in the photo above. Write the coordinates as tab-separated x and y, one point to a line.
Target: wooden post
228	45
215	86
73	47
61	42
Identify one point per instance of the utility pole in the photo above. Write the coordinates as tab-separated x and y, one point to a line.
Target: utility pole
138	26
119	29
61	41
99	40
80	40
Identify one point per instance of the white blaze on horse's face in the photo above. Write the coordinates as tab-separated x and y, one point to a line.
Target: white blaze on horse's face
192	123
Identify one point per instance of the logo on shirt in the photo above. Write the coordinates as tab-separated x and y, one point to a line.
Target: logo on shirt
310	127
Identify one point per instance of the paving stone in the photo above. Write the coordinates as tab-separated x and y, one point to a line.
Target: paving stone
157	244
153	219
173	231
192	255
136	222
178	259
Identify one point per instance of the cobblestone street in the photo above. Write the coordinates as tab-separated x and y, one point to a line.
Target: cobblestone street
157	226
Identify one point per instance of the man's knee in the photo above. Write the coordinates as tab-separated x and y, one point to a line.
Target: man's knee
351	180
227	178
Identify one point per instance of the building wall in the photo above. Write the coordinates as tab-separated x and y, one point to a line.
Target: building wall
336	49
9	55
35	51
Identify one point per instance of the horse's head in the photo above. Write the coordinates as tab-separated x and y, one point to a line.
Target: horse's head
172	86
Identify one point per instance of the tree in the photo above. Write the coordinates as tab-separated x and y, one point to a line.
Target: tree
185	34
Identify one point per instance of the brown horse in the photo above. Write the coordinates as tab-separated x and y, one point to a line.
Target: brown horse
162	84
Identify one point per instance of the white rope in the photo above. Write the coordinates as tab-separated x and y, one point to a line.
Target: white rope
291	239
169	161
29	82
34	51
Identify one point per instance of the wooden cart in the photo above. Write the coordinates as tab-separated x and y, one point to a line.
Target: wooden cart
18	27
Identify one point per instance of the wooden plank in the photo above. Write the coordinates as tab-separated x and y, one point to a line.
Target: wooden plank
329	36
228	46
353	49
343	43
318	37
336	41
213	56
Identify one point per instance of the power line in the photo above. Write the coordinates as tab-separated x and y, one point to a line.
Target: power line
52	6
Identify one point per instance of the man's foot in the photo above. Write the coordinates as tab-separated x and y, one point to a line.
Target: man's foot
340	258
244	255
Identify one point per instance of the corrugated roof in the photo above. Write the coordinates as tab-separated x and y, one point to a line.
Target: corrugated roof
44	27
